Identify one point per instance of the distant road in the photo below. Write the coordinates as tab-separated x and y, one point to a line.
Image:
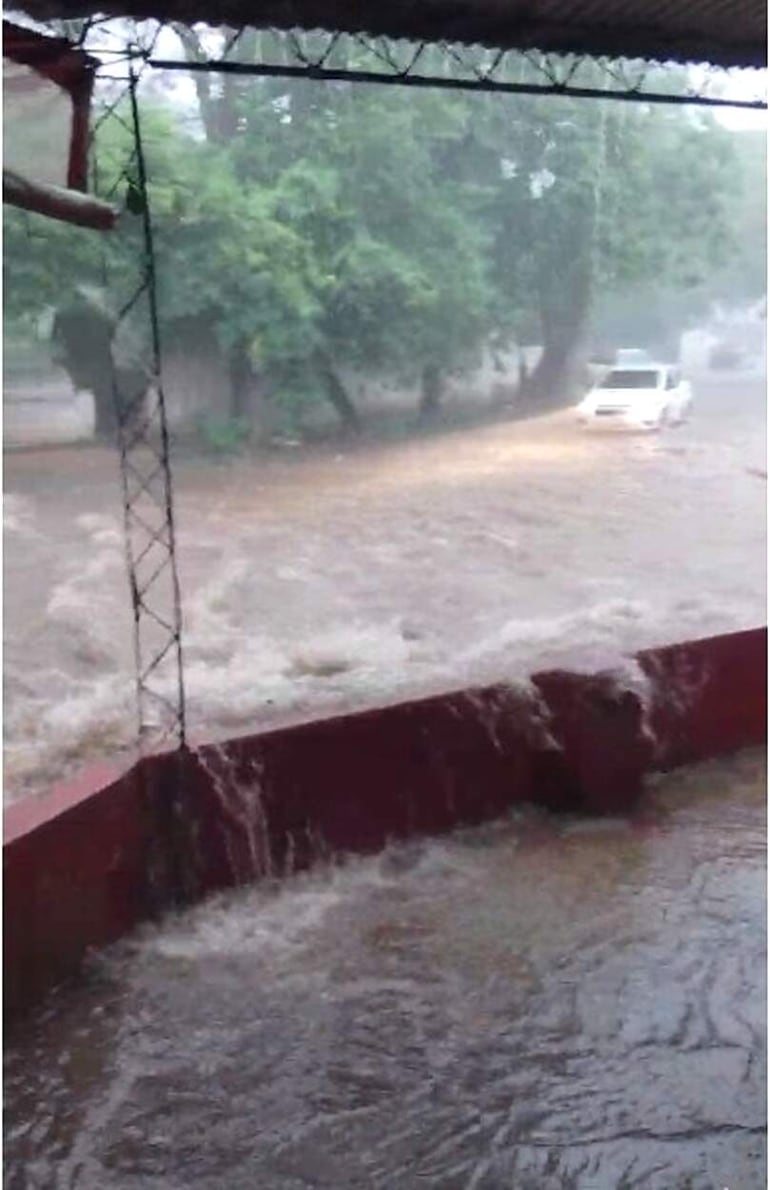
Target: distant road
52	414
46	414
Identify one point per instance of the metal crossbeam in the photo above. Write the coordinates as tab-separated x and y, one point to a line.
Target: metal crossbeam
489	85
337	57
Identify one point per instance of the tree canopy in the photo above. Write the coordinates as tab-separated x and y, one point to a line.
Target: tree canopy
324	229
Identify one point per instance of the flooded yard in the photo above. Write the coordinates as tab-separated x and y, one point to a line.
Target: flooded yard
543	1003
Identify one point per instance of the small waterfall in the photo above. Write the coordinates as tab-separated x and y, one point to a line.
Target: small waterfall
245	825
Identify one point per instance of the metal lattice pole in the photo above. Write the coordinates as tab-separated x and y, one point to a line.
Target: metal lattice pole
148	508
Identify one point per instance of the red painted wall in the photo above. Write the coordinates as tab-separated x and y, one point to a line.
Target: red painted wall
86	863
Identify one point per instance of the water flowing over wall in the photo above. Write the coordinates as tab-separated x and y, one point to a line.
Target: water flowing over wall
91	860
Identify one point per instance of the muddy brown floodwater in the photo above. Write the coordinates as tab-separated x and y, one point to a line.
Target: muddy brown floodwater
543	1003
321	580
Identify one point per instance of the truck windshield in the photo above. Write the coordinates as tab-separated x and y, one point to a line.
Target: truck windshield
636	378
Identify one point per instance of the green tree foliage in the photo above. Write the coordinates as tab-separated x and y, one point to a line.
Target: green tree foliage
320	230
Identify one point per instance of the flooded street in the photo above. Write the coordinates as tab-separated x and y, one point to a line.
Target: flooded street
539	1004
345	576
320	399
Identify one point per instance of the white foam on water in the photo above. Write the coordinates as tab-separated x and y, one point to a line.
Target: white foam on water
92	719
80	705
251	925
601	636
234	668
77	597
19	515
85	602
95	522
103	704
366	649
276	917
232	675
208	612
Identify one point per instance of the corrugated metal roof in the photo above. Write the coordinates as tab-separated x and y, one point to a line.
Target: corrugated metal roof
722	32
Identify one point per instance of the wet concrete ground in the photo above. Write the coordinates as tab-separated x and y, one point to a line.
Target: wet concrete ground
333	579
540	1004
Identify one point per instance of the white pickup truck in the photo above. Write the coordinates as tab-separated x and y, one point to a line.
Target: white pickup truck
640	397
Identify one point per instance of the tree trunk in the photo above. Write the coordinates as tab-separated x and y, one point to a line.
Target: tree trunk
551	375
126	390
105	420
218	104
241	380
431	392
563	318
339	397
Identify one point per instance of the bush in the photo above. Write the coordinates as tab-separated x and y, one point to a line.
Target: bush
224	436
